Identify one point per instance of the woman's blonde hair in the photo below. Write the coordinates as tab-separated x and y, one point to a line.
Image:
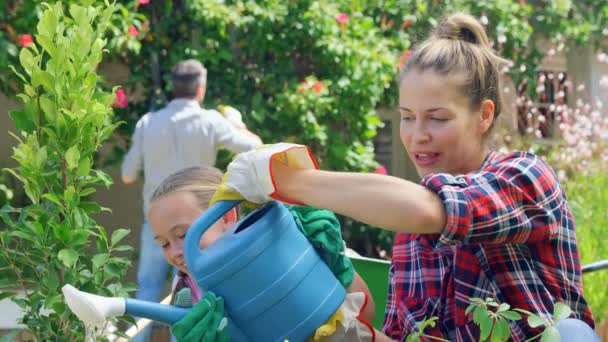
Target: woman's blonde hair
459	46
201	181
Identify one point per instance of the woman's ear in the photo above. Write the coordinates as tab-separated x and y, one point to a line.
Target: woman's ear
230	217
487	116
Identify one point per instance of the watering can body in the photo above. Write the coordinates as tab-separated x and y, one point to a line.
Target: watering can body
274	284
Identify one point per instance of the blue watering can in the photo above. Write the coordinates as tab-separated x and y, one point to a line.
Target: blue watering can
274	284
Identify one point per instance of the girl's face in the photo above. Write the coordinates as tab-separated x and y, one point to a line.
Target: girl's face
438	129
170	217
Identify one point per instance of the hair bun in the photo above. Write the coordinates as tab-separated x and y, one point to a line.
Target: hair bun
462	27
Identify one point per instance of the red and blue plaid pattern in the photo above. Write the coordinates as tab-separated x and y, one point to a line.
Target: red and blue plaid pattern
509	235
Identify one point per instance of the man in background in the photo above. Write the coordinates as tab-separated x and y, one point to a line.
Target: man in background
180	135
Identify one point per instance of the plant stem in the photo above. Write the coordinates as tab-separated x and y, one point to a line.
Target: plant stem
435	338
533	338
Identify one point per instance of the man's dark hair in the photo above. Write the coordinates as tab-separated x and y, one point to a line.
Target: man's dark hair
186	77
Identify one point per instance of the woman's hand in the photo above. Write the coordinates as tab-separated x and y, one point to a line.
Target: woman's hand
206	322
250	174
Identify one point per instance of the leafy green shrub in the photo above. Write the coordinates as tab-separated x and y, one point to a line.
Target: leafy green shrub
64	120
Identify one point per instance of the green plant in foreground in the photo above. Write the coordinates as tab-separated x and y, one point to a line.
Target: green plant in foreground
493	320
64	120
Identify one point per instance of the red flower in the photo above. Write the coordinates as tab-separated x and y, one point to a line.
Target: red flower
25	40
403	59
381	170
133	31
317	87
120	99
342	18
143	2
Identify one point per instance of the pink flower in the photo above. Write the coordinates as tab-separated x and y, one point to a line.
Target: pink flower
25	40
133	31
120	99
143	2
342	18
381	170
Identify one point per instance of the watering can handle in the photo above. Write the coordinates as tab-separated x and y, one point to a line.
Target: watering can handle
192	250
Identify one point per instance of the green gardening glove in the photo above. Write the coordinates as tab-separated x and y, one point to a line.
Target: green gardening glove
205	323
322	229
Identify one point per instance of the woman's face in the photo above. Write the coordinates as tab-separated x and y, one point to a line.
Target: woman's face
438	129
170	217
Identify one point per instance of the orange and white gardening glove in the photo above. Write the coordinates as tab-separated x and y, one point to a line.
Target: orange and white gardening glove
232	115
346	324
249	175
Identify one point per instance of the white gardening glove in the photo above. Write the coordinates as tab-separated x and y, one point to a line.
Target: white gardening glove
249	175
232	115
346	324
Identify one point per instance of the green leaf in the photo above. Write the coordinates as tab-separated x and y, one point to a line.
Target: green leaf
551	334
469	308
53	198
118	235
485	328
46	44
84	167
43	78
104	177
123	248
68	257
68	194
512	315
87	191
23	122
72	157
47	25
479	314
90	207
536	321
561	311
501	331
98	260
113	270
41	157
48	108
503	307
26	58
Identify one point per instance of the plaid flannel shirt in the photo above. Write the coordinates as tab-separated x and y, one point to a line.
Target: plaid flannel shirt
509	236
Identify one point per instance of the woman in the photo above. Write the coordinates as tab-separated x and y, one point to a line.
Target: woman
477	225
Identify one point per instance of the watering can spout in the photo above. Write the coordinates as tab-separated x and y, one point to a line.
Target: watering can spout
95	310
92	309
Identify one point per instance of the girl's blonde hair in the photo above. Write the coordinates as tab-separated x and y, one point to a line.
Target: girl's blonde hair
459	46
201	181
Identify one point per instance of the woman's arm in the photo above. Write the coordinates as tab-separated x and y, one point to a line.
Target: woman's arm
378	200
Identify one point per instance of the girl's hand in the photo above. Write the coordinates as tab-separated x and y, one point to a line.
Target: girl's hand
250	174
206	322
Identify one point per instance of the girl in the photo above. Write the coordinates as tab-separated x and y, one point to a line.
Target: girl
477	225
183	197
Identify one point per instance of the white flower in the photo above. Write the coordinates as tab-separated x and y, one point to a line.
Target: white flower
604	81
483	20
522	68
